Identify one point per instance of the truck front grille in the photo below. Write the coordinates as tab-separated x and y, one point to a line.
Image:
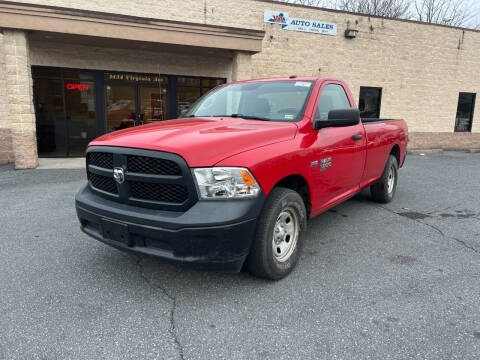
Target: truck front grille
169	193
101	159
152	179
148	165
103	183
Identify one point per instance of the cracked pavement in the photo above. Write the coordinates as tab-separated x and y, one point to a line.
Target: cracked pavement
392	281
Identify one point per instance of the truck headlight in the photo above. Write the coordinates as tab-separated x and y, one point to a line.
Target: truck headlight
225	183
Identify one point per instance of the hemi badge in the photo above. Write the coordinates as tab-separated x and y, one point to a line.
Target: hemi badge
314	163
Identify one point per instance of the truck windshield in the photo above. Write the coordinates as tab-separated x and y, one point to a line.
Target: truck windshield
258	100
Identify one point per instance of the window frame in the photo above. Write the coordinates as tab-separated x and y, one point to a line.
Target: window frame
379	100
320	92
472	113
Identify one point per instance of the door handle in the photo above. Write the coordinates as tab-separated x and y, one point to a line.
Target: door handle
357	137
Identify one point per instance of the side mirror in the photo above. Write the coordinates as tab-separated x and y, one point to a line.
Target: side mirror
339	118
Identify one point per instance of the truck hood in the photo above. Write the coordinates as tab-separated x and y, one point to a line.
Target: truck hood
201	141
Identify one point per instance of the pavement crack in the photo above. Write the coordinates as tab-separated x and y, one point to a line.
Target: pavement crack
461	242
464	244
432	227
416	220
173	307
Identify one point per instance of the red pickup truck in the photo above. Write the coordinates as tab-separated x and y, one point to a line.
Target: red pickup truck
235	179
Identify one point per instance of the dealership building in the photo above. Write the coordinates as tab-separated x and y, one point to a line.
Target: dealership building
73	70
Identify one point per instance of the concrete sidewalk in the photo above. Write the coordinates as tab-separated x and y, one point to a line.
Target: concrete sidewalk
61	163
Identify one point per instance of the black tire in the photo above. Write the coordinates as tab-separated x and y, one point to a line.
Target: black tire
380	190
262	261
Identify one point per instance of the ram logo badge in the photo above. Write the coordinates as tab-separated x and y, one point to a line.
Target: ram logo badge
119	175
325	163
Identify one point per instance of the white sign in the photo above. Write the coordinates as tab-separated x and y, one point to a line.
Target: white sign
275	17
311	26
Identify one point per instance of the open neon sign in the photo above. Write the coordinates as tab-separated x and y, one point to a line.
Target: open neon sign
81	87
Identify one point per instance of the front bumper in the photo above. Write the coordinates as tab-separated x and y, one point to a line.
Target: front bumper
210	235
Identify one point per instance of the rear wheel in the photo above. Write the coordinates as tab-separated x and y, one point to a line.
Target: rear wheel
384	189
278	238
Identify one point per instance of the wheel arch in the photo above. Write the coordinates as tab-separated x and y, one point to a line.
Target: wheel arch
298	183
395	151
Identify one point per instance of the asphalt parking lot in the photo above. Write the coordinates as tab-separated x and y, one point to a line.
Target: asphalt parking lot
400	281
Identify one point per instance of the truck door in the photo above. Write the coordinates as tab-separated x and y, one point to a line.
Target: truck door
340	151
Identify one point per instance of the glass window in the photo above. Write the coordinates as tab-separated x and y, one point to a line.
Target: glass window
211	83
153	104
80	111
190	89
370	101
205	90
38	71
50	115
465	108
186	81
78	75
333	97
120	102
266	100
186	96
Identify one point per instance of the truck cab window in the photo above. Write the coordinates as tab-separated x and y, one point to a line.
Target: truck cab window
333	97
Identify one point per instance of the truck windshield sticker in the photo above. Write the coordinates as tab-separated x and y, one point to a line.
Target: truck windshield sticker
303	83
289	116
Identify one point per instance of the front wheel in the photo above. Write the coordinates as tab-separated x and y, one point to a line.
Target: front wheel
279	235
384	189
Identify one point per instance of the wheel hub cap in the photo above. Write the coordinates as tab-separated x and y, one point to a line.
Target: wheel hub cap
391	180
285	235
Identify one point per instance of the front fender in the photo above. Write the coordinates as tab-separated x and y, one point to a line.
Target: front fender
271	164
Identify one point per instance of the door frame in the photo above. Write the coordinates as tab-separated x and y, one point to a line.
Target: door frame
136	87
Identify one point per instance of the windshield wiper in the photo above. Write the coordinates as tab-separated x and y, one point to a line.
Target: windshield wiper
246	117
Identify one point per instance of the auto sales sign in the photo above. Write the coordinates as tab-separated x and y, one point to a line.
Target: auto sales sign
293	24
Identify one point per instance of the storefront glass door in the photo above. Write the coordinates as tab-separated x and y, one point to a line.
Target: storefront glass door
121	109
80	111
50	114
135	99
74	106
133	105
65	111
153	104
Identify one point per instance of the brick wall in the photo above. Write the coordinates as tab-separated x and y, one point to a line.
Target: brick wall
20	99
443	140
6	152
421	68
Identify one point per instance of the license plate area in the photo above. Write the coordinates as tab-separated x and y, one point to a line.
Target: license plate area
116	231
